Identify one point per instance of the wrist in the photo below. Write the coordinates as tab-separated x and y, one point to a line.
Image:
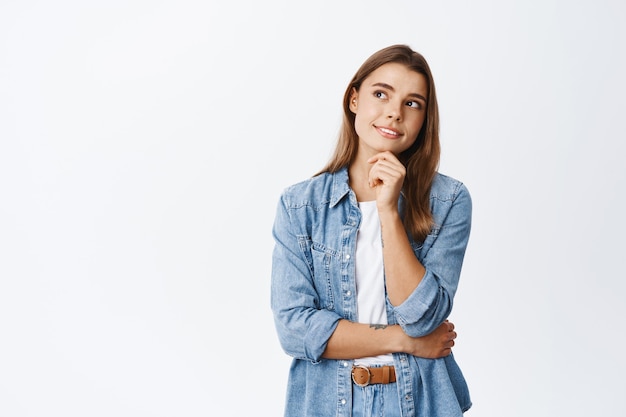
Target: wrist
388	213
399	340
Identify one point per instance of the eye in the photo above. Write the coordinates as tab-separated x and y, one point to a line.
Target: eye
380	94
414	104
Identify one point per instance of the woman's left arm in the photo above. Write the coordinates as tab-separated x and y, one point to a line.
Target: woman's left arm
421	292
423	295
403	271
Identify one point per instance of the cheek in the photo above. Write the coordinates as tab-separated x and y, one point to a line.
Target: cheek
360	122
416	125
367	114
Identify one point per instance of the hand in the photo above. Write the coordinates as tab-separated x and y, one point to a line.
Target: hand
435	345
387	177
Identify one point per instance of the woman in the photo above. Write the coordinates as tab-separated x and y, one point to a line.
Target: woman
368	256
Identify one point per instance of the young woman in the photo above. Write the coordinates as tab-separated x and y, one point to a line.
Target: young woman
368	256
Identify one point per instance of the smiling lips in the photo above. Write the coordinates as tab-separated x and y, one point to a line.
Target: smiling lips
388	132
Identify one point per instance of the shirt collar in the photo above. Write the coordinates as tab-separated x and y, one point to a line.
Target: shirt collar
340	186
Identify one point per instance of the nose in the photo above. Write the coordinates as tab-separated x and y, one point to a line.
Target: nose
394	112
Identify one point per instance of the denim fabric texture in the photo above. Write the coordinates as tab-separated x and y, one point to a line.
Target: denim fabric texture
313	287
378	400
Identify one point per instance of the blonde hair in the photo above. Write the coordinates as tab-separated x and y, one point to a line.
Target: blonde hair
421	159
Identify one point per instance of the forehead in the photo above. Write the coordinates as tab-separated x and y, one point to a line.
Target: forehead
401	78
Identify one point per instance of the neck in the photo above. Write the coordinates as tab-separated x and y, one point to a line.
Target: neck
358	173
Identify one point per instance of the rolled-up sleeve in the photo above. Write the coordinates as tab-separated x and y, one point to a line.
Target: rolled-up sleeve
431	301
303	328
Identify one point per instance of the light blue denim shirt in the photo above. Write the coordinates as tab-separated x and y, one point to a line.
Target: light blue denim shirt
313	287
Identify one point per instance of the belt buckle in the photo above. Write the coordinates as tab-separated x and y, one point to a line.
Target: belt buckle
369	376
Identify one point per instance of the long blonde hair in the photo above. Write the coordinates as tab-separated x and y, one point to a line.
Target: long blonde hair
421	159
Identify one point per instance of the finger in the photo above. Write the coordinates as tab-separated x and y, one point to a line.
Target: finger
383	156
388	163
384	175
390	170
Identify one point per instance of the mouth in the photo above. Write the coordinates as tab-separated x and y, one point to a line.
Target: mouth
388	132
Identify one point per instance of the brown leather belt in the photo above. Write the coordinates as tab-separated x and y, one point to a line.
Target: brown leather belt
364	376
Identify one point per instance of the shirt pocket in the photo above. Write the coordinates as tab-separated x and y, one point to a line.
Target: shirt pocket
322	274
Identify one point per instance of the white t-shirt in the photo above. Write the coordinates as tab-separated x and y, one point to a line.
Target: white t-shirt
370	276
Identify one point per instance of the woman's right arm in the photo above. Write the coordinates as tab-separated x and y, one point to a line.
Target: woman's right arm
303	327
357	340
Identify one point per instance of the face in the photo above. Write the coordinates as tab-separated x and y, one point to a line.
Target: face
389	108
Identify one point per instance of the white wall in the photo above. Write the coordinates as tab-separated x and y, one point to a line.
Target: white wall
143	146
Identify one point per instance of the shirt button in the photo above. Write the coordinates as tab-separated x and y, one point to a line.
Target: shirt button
343	401
347	256
345	364
348	293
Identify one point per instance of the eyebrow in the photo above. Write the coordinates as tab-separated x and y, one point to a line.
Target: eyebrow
388	87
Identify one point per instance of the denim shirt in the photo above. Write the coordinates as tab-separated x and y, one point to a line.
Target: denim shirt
313	287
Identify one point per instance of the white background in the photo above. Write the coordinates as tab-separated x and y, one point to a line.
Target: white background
144	144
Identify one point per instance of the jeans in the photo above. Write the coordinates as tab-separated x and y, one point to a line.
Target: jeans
376	400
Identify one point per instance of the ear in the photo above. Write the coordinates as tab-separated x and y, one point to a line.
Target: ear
354	99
